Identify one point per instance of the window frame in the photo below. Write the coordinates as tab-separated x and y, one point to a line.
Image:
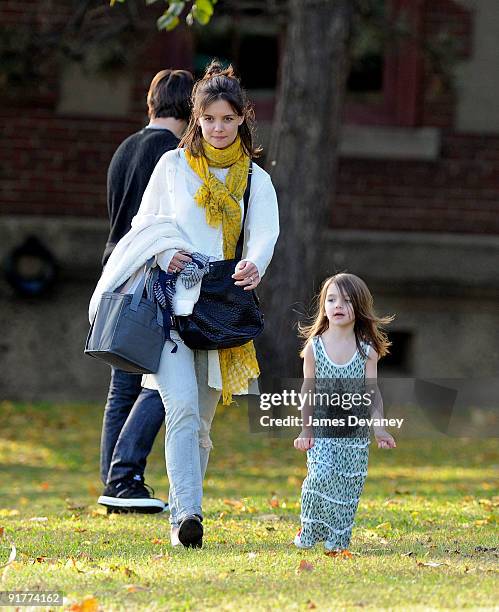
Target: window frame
402	77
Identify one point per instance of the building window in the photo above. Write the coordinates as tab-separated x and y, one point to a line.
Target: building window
251	45
386	72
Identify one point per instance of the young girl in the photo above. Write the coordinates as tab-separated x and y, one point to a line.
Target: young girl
342	348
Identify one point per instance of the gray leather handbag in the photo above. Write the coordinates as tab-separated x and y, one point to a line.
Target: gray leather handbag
127	331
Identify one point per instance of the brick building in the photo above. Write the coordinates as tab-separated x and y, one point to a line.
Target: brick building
415	212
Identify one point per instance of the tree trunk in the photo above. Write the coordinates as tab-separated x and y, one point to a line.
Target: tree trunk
302	161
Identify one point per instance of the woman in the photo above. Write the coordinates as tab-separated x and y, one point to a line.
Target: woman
195	198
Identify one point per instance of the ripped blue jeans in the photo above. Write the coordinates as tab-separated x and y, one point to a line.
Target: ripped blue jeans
190	404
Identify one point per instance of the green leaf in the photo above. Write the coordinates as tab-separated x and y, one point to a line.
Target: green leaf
176	8
200	15
113	2
167	22
206	6
147	1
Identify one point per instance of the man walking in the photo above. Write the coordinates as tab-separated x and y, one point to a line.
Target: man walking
133	416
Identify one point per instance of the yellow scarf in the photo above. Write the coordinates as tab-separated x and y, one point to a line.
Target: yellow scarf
221	201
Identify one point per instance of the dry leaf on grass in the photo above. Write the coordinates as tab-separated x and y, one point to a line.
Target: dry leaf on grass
274	502
88	604
72	505
431	564
305	566
234	503
343	554
133	588
9	512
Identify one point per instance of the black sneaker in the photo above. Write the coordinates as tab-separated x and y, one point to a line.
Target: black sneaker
131	495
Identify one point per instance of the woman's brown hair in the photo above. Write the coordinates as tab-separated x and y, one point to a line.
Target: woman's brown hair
368	326
219	83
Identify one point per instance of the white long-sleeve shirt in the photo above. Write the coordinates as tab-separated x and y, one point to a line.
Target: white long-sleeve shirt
170	193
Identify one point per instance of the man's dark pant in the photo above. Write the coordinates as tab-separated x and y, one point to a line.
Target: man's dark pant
132	419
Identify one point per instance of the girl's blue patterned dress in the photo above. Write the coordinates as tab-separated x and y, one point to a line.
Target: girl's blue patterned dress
337	463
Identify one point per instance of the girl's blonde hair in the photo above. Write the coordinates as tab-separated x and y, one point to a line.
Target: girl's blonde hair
368	325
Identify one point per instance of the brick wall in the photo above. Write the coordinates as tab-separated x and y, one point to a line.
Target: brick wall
56	165
459	191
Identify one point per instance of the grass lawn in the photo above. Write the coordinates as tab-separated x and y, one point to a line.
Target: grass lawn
425	536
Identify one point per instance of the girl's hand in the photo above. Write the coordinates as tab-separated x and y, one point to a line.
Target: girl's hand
179	261
384	439
305	441
246	275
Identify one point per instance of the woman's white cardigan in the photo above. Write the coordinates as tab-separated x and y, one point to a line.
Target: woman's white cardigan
169	220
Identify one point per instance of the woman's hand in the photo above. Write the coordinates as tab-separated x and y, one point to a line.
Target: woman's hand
246	275
179	261
305	440
384	439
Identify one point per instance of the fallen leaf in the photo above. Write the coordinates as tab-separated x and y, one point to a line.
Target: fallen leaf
2	529
234	503
71	505
344	554
39	519
100	512
156	541
305	566
431	564
9	512
311	605
274	502
45	486
133	588
88	604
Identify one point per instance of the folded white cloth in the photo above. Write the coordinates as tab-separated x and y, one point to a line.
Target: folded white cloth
131	253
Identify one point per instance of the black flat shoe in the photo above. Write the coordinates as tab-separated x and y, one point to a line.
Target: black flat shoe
190	532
